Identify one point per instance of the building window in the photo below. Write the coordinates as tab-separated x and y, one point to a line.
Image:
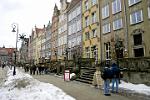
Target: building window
93	17
94	2
78	25
137	39
69	30
78	40
106	28
149	12
79	10
94	51
74	27
139	52
116	6
132	2
87	35
136	17
94	33
117	24
107	50
87	50
86	5
105	11
86	21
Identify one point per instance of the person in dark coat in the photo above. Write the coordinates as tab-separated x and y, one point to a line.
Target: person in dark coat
115	77
106	75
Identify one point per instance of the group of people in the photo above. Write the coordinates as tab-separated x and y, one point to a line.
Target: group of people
34	69
111	74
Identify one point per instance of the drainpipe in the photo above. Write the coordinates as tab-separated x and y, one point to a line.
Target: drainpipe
126	26
101	47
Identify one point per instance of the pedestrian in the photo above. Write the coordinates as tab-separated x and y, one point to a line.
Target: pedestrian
31	69
115	77
3	65
97	80
34	69
106	76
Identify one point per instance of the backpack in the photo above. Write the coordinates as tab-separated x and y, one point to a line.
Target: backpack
106	73
115	72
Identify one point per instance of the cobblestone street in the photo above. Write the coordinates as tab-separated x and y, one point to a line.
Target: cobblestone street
2	74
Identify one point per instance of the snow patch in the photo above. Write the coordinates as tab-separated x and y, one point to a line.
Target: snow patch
139	88
24	87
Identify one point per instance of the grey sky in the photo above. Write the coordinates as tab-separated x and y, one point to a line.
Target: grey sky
27	13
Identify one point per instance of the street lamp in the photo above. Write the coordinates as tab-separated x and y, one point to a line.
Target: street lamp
15	29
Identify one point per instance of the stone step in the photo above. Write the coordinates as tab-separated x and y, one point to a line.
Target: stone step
84	81
88	73
89	68
86	78
89	76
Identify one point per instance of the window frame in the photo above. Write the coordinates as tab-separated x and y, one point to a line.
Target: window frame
105	11
87	35
108	51
117	24
93	2
106	28
86	21
116	6
94	17
86	5
133	2
148	9
94	33
87	51
134	17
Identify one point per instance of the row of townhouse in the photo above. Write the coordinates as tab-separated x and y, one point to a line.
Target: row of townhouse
100	29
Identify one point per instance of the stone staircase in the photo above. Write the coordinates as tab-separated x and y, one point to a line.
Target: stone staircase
86	75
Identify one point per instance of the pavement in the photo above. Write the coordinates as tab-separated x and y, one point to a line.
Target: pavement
2	74
78	90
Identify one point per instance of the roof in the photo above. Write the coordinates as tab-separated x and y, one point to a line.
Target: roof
73	4
6	51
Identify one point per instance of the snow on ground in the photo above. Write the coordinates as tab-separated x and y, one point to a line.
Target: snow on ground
138	88
23	87
72	75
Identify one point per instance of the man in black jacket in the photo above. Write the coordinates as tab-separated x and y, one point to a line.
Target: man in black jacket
106	75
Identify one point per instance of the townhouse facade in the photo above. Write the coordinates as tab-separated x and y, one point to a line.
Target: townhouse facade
35	45
47	43
32	47
7	55
24	51
124	25
62	30
74	37
54	34
91	29
40	43
138	19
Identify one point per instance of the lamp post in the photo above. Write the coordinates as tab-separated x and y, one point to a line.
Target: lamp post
15	29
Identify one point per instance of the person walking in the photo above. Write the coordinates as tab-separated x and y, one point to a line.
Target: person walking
115	77
106	76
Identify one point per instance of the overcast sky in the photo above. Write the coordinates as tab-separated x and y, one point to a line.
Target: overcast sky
27	14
